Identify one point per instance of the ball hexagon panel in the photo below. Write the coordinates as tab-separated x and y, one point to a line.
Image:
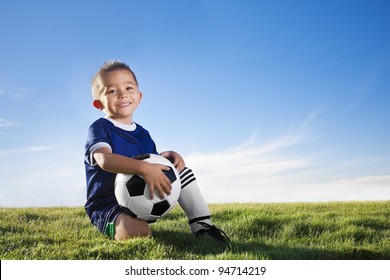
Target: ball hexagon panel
139	205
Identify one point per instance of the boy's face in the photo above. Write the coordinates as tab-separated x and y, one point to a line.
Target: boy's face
120	97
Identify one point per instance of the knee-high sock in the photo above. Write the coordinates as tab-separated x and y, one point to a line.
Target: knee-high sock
192	202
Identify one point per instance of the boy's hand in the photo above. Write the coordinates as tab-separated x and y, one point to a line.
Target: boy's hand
156	179
175	158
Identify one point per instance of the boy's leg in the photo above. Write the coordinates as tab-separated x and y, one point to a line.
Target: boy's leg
127	227
196	209
192	202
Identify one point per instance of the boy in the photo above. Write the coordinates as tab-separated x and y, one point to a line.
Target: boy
113	142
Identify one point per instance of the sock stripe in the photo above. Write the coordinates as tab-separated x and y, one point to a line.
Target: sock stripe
186	177
190	176
185	171
198	219
187	183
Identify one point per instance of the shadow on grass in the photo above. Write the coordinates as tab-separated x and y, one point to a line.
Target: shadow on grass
264	251
186	246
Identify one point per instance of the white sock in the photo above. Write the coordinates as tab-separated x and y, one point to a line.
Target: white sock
192	202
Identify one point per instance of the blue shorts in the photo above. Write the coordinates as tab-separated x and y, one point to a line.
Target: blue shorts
104	220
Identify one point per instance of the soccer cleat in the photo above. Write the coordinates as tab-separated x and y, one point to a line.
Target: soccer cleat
212	231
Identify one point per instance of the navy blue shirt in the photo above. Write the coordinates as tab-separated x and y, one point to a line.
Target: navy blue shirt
129	143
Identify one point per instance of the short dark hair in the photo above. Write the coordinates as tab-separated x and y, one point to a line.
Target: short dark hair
108	66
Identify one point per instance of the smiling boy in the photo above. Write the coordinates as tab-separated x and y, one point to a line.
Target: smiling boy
111	146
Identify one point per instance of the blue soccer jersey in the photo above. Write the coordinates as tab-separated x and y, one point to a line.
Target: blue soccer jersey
130	141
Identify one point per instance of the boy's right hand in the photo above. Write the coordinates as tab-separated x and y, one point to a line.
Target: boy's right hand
156	179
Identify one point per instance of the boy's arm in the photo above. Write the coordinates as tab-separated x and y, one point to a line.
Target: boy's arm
152	173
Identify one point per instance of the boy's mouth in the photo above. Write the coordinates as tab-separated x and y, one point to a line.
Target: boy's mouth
124	104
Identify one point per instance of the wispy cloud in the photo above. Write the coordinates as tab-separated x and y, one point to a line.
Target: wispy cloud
22	92
241	174
31	149
43	174
275	171
6	123
244	171
18	92
41	185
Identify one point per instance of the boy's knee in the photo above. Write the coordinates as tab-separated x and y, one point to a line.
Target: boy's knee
128	227
123	234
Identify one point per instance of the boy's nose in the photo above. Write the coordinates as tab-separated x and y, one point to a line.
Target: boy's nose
122	94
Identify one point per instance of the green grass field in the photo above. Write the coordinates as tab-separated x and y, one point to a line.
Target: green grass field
301	231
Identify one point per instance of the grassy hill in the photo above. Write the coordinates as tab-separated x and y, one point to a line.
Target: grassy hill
333	230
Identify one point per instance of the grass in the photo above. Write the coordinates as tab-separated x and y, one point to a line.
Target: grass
301	231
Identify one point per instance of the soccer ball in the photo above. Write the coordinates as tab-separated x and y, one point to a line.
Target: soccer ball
133	194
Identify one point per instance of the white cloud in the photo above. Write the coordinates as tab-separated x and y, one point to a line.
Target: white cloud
22	92
259	174
275	171
6	123
32	149
37	186
243	173
35	149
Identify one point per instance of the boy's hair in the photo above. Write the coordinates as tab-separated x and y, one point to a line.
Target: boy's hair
109	66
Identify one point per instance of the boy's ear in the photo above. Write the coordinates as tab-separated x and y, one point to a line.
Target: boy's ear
97	104
140	96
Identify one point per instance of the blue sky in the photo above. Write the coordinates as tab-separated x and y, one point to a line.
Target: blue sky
268	101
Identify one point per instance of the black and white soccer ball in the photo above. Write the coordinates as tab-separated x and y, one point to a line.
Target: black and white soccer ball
133	196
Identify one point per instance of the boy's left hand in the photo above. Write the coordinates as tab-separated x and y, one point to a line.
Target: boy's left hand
175	158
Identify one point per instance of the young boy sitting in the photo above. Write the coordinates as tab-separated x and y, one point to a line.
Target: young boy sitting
111	146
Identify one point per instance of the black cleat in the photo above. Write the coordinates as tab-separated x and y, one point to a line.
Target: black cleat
212	231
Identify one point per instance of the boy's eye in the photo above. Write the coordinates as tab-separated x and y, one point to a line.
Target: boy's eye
111	91
129	88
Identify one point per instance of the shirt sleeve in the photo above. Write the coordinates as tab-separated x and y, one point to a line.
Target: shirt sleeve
91	161
98	136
